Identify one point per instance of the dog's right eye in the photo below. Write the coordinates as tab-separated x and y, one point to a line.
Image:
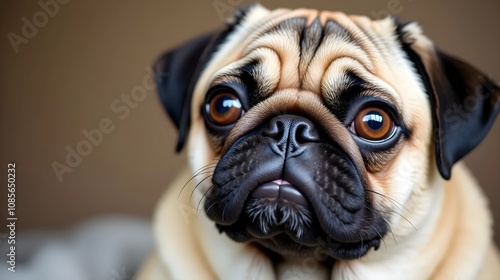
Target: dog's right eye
224	108
373	124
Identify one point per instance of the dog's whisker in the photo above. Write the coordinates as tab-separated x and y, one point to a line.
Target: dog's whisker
380	235
184	187
197	173
210	165
201	199
224	211
211	205
198	185
361	238
394	201
386	223
402	216
390	230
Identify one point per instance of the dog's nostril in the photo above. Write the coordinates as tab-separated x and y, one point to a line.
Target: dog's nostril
276	130
292	128
305	133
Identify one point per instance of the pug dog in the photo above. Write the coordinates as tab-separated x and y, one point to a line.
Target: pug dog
323	146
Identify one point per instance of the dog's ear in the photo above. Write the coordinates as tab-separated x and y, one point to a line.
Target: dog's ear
176	73
464	101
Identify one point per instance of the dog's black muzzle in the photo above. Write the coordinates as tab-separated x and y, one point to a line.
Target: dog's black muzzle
292	189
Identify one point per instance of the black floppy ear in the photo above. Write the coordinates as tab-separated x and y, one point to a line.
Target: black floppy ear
176	73
464	101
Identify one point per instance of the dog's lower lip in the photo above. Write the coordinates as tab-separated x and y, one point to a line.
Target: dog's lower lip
280	189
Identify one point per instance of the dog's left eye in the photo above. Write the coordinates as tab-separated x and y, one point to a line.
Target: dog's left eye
224	108
373	124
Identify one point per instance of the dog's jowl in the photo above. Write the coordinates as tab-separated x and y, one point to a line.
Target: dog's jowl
323	146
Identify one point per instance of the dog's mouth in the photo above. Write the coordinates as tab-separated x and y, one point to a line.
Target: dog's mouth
278	207
279	217
298	197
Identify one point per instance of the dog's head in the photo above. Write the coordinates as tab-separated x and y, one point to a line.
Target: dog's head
317	130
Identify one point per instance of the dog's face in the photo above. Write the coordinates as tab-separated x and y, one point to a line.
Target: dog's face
317	130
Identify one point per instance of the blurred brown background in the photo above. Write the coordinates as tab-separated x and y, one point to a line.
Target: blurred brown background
87	54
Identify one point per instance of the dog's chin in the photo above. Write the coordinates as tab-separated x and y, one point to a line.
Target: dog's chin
278	217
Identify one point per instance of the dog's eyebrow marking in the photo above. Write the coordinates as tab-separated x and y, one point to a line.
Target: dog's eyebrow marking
350	87
283	38
260	71
255	83
347	86
346	77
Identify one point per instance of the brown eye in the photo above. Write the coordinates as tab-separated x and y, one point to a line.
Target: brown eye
224	109
373	124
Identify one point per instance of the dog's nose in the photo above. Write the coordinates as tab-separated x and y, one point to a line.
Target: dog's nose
290	133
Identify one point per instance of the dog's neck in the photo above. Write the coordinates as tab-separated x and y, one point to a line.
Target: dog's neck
432	251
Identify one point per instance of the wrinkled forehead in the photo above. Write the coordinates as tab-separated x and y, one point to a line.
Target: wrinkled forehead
317	51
